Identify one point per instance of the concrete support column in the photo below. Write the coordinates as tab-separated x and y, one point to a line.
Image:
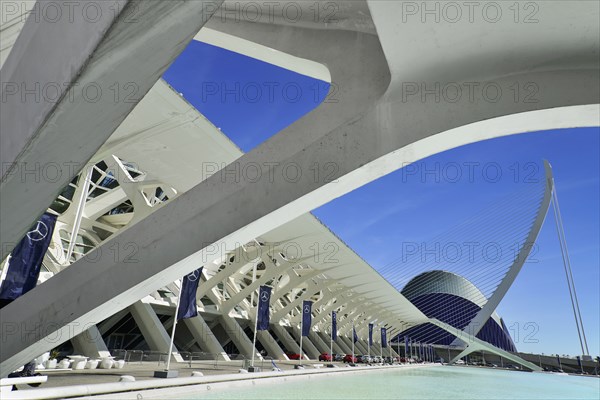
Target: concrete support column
308	348
343	345
285	337
238	336
326	338
318	342
205	337
376	349
271	345
90	344
362	346
108	323
348	343
152	329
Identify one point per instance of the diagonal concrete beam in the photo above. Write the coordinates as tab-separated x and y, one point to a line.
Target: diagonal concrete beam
152	329
205	337
309	350
326	338
62	75
284	336
90	344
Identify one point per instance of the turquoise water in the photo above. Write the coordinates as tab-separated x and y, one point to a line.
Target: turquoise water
454	383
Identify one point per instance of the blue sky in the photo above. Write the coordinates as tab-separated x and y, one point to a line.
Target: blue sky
250	101
404	207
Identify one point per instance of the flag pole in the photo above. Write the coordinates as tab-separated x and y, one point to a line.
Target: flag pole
331	341
254	340
380	344
331	347
301	328
256	317
174	325
370	330
353	332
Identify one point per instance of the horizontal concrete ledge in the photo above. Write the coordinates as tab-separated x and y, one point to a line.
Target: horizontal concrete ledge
159	388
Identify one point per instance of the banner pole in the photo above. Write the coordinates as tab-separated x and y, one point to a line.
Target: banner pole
380	345
331	348
333	317
352	360
256	318
174	325
254	340
301	328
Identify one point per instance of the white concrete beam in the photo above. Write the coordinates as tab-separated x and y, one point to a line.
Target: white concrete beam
270	345
152	329
239	337
284	336
205	337
90	344
308	348
131	43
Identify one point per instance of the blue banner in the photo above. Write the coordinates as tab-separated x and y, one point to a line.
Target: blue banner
370	334
187	301
333	325
383	337
354	334
306	317
26	259
405	346
262	315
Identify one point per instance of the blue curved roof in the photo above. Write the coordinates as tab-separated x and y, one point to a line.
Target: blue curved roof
457	312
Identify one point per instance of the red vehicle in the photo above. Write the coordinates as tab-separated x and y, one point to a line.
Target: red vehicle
349	359
293	356
325	357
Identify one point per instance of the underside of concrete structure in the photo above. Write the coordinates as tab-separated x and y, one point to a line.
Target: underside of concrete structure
149	189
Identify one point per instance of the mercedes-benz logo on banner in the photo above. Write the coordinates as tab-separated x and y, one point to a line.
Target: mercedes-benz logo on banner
264	296
193	276
306	308
39	232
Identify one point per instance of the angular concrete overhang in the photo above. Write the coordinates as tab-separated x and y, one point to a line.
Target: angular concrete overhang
96	66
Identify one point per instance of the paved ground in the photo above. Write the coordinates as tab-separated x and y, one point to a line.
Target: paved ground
145	370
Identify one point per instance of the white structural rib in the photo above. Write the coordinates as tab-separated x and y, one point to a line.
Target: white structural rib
251	49
130	45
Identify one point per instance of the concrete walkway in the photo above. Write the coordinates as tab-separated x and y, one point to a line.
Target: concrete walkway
105	383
